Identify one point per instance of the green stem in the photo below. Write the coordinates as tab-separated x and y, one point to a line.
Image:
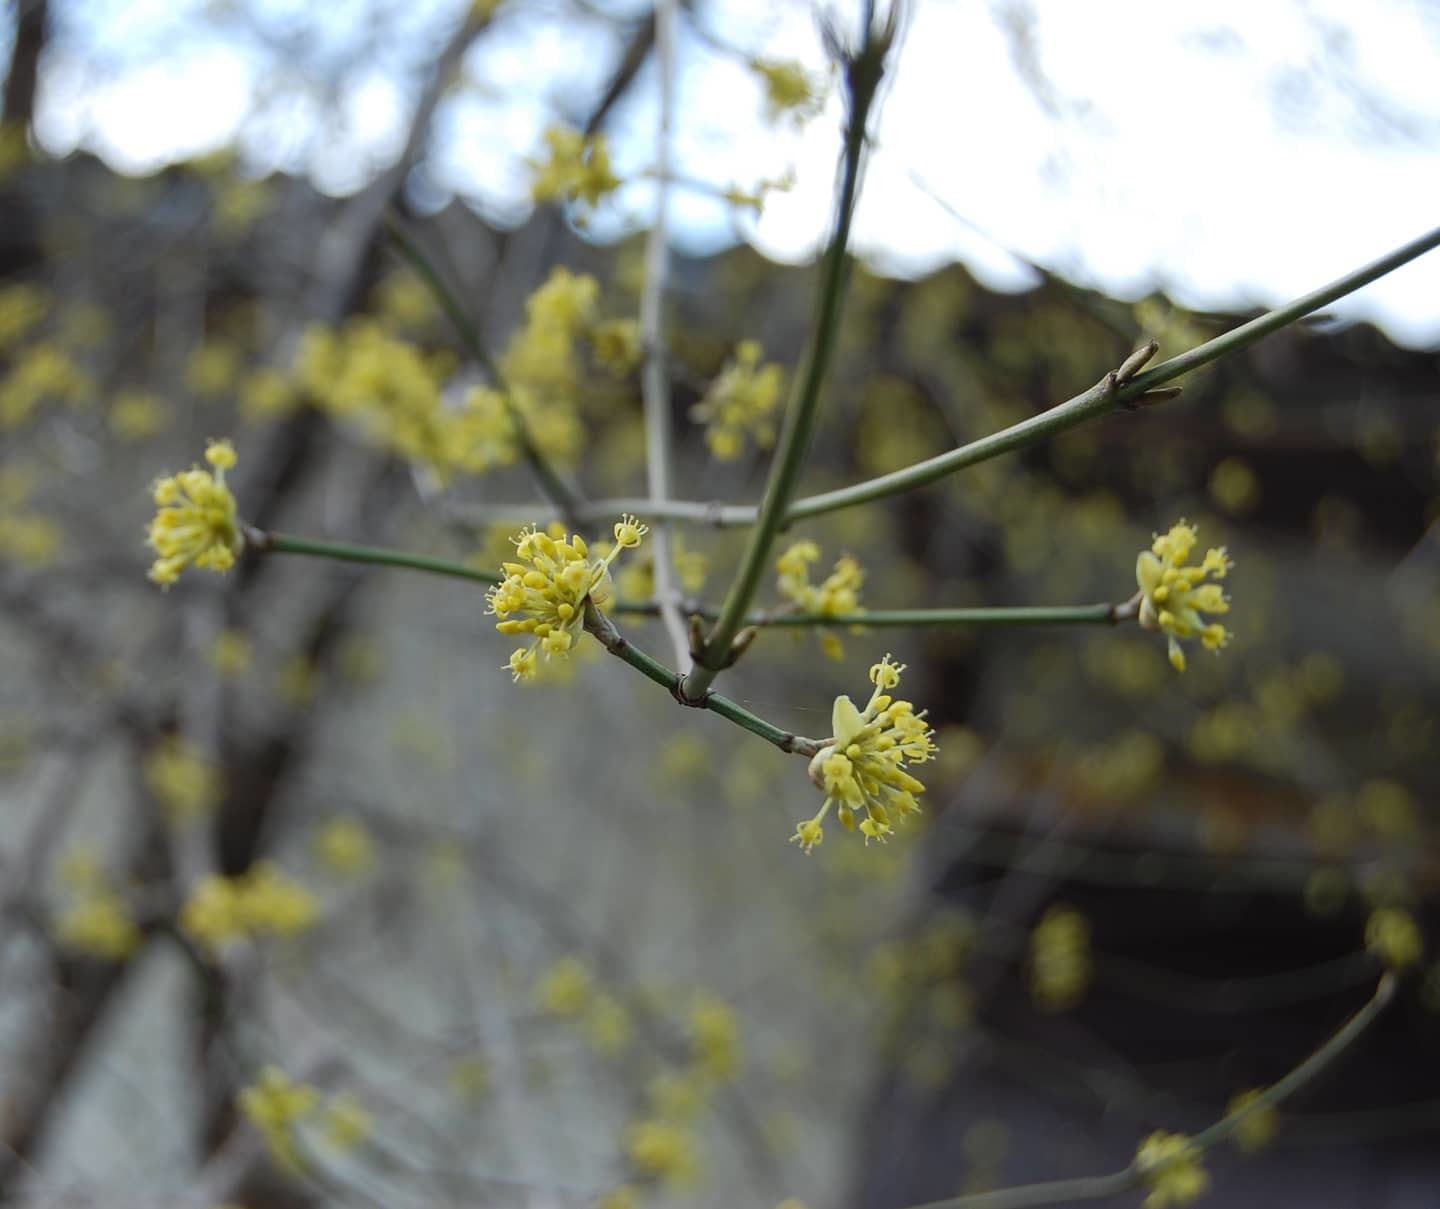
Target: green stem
566	501
647	665
1095	1187
1100	614
282	543
1101	399
1104	397
863	78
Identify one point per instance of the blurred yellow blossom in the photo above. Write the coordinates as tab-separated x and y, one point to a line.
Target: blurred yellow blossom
195	523
1234	486
259	903
715	1037
788	89
565	989
136	414
100	925
1171	1168
1059	965
1173	595
837	594
1392	935
1259	1126
275	1104
231	653
41	373
741	403
616	345
576	168
344	845
345	1123
863	767
663	1151
182	782
607	1025
267	394
212	368
22	306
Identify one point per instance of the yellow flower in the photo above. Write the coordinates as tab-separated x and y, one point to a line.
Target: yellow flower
662	1151
99	925
1060	958
1392	936
346	1123
344	846
136	414
275	1104
741	402
566	988
715	1035
863	767
838	593
616	344
196	523
578	168
550	592
183	783
261	902
788	89
231	653
1170	1167
1173	595
1259	1126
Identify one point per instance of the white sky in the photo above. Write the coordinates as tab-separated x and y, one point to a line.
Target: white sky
1192	146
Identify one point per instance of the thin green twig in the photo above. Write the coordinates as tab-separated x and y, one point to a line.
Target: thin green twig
283	543
564	497
1099	400
863	74
647	665
1094	1187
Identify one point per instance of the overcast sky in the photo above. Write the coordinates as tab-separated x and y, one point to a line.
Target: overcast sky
1233	153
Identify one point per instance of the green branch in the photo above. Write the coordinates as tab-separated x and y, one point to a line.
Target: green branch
647	665
863	73
1104	398
556	490
1100	614
282	543
1095	1187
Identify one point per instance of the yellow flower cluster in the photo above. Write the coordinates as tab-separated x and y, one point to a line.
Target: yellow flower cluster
715	1038
99	924
1173	595
567	990
788	89
137	414
863	767
275	1104
41	373
262	902
549	585
1392	935
1171	1169
741	403
1257	1129
213	368
663	1151
196	523
22	306
344	846
1059	966
838	593
577	168
25	536
360	372
182	782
